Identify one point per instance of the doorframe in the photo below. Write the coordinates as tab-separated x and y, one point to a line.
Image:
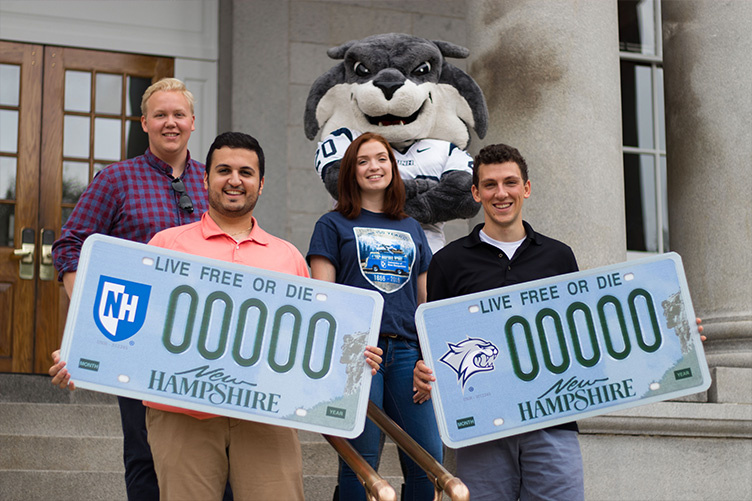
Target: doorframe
150	27
22	321
51	299
190	35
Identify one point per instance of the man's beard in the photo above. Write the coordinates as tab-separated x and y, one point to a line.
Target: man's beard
216	204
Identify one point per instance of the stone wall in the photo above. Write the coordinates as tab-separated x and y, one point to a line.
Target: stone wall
278	49
551	79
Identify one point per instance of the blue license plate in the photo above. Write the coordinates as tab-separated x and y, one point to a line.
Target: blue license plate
533	355
217	337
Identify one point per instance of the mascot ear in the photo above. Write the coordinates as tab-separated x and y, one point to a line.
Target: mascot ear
466	86
470	91
448	49
320	87
340	51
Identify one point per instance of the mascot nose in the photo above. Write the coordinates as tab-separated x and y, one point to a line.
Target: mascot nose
388	87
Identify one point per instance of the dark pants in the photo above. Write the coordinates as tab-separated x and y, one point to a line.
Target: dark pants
539	464
140	478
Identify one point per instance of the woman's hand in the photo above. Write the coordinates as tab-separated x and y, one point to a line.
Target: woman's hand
373	358
60	375
422	378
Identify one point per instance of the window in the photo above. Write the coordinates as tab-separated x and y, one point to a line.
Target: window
101	125
643	125
10	109
64	113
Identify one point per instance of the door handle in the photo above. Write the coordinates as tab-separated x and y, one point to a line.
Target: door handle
25	254
46	268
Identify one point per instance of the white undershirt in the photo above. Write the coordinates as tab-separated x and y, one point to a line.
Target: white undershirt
508	248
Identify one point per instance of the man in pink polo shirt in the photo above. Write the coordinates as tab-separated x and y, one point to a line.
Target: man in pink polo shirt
195	453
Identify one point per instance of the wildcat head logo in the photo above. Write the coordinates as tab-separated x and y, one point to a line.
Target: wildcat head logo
120	307
469	357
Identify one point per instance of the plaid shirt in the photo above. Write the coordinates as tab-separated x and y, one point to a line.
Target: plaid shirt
132	199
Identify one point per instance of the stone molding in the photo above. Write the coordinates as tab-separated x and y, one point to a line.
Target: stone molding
678	419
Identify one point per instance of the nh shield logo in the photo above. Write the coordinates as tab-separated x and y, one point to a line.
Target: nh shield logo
120	307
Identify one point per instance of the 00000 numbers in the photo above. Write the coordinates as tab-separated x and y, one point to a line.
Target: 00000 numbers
182	345
584	310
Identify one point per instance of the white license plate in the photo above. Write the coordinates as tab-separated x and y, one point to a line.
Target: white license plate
212	336
533	355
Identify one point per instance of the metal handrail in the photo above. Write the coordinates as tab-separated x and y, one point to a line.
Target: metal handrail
443	481
376	487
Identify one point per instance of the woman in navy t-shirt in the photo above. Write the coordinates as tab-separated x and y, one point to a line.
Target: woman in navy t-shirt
368	241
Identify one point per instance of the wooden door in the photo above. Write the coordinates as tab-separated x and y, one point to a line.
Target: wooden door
21	68
88	118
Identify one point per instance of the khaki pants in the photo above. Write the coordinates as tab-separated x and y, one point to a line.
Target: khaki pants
194	458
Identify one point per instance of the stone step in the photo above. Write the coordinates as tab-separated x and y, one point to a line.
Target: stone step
96	464
55	421
37	388
21	452
321	459
43	485
58	444
68	420
40	458
40	485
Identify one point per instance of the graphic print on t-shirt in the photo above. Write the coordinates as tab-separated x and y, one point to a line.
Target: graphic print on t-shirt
386	257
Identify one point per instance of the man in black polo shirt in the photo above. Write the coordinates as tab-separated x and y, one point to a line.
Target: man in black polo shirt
505	250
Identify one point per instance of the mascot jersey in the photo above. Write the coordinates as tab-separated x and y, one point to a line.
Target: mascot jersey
424	159
377	253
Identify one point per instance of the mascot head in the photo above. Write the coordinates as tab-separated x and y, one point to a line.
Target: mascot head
469	357
399	86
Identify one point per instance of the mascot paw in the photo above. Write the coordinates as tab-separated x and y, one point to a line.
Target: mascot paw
415	187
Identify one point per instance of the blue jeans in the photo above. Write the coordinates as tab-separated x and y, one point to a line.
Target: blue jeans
392	390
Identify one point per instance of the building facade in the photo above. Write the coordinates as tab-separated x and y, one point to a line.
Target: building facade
632	116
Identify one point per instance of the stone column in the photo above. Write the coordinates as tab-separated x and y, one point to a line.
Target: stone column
260	73
550	73
708	86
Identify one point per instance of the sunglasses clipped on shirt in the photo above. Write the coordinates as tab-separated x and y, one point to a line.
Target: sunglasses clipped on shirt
185	201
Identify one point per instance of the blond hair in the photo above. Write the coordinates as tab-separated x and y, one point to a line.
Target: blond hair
167	84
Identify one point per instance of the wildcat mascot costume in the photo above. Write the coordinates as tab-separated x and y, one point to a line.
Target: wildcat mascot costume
401	87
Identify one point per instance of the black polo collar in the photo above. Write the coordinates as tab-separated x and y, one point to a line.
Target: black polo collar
473	238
